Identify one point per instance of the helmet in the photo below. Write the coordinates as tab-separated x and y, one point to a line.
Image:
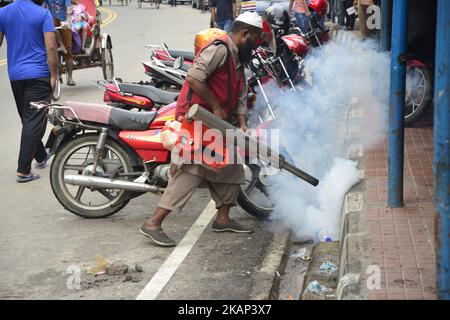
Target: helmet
277	17
319	6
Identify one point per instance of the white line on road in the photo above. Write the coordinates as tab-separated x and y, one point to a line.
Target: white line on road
170	266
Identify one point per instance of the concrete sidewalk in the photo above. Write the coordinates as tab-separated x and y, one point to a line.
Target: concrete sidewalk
401	241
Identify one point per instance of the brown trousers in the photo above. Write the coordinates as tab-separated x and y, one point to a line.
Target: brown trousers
183	185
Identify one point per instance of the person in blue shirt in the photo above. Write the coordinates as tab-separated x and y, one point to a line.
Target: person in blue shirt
223	13
58	9
32	60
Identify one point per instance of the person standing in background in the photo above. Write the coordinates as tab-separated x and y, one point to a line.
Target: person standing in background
346	21
223	13
32	60
331	14
58	9
302	14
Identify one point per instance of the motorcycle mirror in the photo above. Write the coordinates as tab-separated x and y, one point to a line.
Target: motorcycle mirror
178	62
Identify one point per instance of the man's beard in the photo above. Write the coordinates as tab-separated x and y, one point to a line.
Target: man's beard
245	51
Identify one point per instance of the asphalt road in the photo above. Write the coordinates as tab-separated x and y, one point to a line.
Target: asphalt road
41	242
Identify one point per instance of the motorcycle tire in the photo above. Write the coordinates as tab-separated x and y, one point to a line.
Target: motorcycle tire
63	195
427	78
246	203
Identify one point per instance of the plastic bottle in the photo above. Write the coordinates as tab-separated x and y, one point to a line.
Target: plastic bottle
324	236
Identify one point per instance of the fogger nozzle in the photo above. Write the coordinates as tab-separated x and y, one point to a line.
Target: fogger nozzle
264	152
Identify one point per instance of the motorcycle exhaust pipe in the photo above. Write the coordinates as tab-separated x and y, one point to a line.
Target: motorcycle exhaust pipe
106	183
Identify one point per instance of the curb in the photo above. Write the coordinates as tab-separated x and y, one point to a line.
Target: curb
354	242
266	282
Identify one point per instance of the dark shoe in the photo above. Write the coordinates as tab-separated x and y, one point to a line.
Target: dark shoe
231	226
157	236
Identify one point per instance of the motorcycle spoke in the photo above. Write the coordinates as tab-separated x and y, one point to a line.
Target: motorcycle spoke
106	194
265	191
80	193
251	186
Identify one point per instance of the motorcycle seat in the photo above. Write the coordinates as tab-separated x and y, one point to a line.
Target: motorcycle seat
185	54
107	115
158	96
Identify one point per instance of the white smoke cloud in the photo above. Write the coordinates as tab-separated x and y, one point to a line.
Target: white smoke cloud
347	74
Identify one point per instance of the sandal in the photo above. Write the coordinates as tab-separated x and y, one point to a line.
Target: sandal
71	83
27	178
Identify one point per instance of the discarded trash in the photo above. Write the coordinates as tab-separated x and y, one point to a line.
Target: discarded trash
136	268
303	254
323	236
117	268
127	278
316	288
328	267
100	265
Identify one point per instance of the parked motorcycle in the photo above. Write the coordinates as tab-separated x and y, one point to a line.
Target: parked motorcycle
106	156
419	88
142	95
166	74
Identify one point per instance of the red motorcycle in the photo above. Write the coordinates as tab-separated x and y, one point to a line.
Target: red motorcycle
106	156
142	95
163	53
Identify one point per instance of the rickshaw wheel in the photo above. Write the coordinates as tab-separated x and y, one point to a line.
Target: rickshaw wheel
107	64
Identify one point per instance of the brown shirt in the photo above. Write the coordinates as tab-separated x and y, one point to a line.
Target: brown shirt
212	58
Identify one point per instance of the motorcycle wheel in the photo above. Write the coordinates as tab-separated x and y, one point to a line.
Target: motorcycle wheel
77	157
107	64
254	196
419	93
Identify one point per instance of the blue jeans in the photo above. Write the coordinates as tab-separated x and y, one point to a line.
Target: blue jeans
225	25
302	21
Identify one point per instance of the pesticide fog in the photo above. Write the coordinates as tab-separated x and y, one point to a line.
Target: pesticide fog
314	124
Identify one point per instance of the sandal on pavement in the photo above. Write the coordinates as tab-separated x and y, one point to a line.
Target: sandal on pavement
231	226
71	83
27	178
157	236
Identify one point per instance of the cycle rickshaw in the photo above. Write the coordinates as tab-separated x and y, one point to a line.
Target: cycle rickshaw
98	49
155	2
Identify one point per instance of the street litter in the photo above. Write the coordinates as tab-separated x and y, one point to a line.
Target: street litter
100	265
117	268
316	288
303	254
328	267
